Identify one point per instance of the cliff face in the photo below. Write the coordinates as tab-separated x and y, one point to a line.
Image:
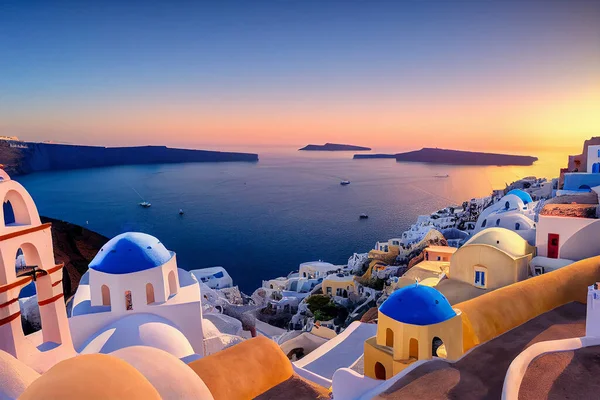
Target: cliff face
24	157
76	247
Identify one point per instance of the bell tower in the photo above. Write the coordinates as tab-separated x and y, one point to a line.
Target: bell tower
21	228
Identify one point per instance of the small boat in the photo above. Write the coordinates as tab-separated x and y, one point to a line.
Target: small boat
344	183
363	216
180	211
442	176
144	203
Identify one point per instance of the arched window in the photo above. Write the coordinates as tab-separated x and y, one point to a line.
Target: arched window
380	371
413	348
105	295
484	223
128	301
172	283
498	222
507	205
517	226
389	337
149	293
438	349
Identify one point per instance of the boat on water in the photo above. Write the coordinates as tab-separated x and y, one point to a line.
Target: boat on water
180	211
344	183
442	176
363	216
144	203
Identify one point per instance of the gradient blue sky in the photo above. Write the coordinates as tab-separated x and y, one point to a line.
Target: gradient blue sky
470	74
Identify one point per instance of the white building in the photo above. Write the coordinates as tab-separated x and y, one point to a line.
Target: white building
568	231
134	294
515	211
214	277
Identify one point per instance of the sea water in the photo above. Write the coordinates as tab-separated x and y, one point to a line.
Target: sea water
260	220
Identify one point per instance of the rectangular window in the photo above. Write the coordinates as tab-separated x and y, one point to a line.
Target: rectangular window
329	290
480	279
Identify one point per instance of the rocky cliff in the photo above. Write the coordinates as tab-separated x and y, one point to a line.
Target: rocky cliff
76	247
26	157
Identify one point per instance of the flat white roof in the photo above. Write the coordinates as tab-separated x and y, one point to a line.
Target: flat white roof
320	265
209	271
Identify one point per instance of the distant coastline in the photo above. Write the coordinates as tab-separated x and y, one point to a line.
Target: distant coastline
334	147
21	158
454	157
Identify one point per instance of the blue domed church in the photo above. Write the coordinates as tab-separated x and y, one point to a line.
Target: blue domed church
415	323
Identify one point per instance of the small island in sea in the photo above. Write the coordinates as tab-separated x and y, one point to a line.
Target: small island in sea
454	157
333	147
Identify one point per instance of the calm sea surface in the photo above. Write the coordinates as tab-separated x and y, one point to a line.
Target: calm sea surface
260	220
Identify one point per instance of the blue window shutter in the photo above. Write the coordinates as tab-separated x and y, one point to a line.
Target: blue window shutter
483	279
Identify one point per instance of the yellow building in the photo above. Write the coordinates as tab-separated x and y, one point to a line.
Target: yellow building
338	285
413	322
439	253
493	258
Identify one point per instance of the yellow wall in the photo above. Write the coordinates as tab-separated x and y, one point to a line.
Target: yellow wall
402	350
388	257
433	255
502	269
245	370
348	285
494	313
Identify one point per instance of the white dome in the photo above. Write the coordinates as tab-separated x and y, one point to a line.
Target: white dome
170	376
139	330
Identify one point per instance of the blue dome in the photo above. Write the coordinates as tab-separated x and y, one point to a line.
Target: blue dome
130	252
526	197
417	305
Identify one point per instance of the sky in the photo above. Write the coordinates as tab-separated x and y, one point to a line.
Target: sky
510	75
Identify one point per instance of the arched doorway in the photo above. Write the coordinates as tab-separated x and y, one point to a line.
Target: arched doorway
438	349
413	348
389	337
172	284
105	295
380	371
149	293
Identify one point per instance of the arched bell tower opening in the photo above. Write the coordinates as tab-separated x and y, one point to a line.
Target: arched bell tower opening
16	212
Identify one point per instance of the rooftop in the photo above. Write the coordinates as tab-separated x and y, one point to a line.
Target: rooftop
570	210
417	305
130	252
475	377
442	249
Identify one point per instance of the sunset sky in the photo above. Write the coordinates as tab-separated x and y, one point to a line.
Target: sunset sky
482	74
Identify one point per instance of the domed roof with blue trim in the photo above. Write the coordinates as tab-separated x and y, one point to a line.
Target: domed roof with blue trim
523	195
130	252
417	305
